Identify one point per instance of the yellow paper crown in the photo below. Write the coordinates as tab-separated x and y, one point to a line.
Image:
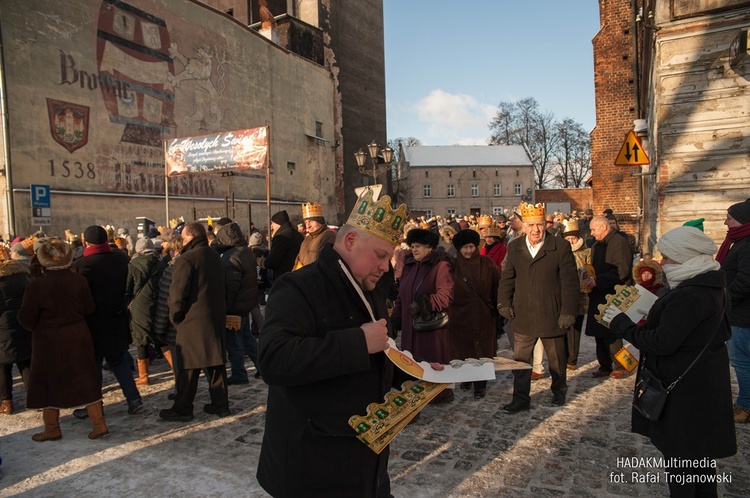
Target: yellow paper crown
378	218
571	225
312	210
494	231
484	221
532	213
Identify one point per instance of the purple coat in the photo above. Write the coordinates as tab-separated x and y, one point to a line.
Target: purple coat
432	345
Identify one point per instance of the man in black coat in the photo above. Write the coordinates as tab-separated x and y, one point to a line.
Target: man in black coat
612	260
198	311
107	273
241	289
285	245
322	356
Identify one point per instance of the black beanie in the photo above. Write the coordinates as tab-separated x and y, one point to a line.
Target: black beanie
466	236
319	219
422	236
224	221
95	235
740	211
280	218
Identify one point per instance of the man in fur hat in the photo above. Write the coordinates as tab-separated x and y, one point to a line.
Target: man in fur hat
538	263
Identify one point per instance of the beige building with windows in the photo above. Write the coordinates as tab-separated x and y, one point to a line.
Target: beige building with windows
468	179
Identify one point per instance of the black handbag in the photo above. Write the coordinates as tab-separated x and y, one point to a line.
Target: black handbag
435	320
650	394
424	320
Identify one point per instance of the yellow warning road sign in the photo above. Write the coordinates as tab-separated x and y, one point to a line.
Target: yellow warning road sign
631	152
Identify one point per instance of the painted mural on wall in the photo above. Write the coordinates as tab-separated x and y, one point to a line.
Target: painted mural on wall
155	81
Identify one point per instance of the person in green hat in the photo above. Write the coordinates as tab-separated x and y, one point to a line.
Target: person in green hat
695	223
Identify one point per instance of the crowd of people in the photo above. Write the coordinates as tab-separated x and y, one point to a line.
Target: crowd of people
446	288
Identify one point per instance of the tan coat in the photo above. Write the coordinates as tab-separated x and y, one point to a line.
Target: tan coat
312	245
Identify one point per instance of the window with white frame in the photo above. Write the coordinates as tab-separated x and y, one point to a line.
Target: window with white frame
497	190
428	213
426	191
474	190
451	190
517	189
450	212
497	210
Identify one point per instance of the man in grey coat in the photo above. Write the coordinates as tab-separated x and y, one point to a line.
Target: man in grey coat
539	291
198	312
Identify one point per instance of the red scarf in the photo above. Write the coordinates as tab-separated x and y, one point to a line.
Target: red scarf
734	234
96	249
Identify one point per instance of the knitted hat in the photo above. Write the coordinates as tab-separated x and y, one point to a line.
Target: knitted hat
19	250
55	253
467	236
143	244
280	218
422	236
153	232
589	212
223	221
683	243
122	232
256	239
740	211
695	223
95	235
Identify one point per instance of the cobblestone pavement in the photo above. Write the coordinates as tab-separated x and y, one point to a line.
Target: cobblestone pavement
466	448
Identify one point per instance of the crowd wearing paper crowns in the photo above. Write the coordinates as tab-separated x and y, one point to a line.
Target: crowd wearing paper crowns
433	260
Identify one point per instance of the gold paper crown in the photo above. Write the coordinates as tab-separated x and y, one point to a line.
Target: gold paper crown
312	210
571	225
484	221
378	218
532	213
494	231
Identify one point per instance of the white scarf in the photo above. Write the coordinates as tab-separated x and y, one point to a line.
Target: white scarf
676	274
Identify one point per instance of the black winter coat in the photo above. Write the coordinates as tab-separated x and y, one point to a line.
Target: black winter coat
285	246
142	292
107	274
612	260
240	270
697	420
15	341
197	307
313	356
737	266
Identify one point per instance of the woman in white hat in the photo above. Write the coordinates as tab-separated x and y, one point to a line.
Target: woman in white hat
687	322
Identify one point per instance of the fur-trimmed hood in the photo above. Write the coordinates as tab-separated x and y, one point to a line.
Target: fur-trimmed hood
11	267
55	253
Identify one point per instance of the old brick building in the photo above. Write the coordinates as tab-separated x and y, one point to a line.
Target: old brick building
667	64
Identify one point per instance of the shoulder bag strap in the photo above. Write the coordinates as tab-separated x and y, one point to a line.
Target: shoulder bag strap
721	320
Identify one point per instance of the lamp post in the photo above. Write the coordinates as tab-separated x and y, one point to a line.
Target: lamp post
378	160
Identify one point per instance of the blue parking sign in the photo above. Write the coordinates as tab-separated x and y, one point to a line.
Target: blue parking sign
40	196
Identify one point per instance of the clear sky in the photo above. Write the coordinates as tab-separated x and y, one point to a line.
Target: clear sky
449	64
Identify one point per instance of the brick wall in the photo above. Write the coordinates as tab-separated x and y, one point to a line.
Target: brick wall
613	187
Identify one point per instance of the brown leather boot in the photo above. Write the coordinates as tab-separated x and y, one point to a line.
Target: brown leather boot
142	379
168	356
51	426
96	414
7	407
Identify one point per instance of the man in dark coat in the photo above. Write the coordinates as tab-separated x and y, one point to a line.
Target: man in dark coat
198	311
612	260
107	273
285	245
734	256
322	355
539	291
241	294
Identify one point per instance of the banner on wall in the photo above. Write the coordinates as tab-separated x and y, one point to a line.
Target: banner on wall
236	150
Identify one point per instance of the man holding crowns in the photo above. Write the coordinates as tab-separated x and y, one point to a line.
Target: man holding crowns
318	234
537	265
321	353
